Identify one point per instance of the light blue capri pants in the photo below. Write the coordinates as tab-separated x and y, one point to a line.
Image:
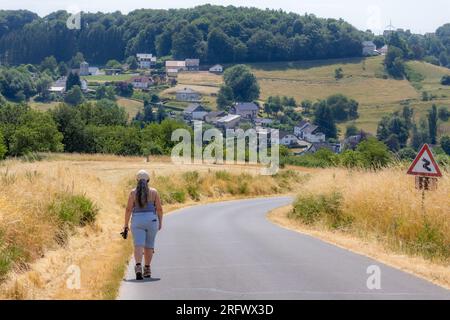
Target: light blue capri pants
144	226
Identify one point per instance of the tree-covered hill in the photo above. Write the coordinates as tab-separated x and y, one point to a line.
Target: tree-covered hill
212	33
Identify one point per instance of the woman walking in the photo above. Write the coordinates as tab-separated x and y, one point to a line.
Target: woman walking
145	210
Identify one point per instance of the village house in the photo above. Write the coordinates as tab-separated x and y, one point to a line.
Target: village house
333	147
192	64
369	49
113	71
94	71
309	132
268	134
248	110
213	116
84	85
353	141
195	112
59	86
383	50
174	67
142	82
288	139
146	60
229	121
216	68
188	94
263	122
84	69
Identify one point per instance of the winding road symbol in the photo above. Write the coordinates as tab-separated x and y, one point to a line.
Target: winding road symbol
426	164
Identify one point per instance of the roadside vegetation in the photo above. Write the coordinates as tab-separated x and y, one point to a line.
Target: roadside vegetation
194	186
38	213
58	210
358	202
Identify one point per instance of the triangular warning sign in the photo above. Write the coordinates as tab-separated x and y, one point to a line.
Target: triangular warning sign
424	164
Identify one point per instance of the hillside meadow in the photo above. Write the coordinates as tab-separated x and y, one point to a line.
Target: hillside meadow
364	80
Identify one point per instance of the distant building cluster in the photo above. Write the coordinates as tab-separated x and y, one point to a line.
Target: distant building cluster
369	49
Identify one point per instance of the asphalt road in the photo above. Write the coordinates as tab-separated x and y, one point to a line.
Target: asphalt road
231	251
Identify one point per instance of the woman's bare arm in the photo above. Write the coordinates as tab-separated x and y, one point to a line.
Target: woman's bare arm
128	210
159	209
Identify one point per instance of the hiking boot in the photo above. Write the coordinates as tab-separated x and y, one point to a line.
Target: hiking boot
138	271
147	272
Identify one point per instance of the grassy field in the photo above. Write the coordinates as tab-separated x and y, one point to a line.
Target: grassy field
363	81
314	80
206	83
43	106
131	106
33	262
112	78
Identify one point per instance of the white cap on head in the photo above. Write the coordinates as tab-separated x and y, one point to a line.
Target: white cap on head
142	175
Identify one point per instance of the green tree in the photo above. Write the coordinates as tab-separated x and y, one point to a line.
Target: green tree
163	43
76	60
124	89
73	79
323	117
113	64
3	149
103	113
43	85
132	63
242	82
220	47
445	81
63	69
443	114
432	124
161	114
445	144
105	92
186	43
16	84
74	96
374	153
49	64
351	130
394	62
407	113
36	133
342	107
73	128
338	73
407	154
420	134
225	97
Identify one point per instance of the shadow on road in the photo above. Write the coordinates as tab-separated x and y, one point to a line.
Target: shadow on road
142	281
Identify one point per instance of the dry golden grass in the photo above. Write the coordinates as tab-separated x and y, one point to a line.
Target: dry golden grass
201	78
132	107
315	80
99	251
204	90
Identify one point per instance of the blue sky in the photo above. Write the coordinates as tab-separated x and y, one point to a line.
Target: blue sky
417	15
